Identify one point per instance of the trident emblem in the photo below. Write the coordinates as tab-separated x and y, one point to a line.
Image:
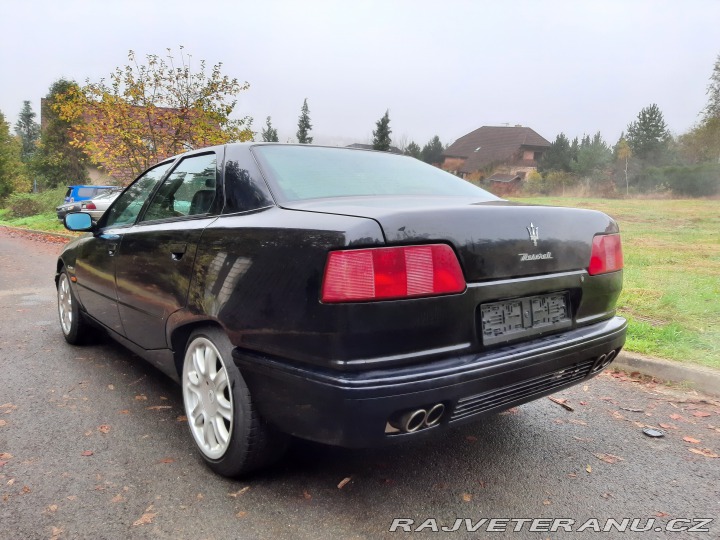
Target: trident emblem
533	232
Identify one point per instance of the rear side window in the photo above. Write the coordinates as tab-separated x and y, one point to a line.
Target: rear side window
306	172
86	192
189	190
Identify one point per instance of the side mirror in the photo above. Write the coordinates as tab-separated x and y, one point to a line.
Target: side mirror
78	221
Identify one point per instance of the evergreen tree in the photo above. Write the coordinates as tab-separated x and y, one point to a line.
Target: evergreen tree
381	135
648	136
413	150
28	130
56	161
269	134
304	125
558	157
712	110
12	177
593	156
432	151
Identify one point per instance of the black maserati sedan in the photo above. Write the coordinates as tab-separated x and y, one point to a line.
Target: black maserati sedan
345	296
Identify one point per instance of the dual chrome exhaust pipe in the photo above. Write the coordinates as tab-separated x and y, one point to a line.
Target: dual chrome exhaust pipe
413	420
603	361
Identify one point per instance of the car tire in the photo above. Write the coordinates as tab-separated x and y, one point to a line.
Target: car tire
229	433
74	328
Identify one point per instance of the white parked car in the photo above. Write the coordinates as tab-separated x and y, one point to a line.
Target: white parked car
96	207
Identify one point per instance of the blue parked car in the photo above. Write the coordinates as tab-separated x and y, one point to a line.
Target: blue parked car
84	193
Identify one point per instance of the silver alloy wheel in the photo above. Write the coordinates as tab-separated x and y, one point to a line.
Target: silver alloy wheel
65	304
207	396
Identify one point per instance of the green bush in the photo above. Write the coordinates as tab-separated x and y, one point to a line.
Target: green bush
23	205
29	204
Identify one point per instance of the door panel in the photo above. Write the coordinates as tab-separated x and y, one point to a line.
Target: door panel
153	277
156	256
95	272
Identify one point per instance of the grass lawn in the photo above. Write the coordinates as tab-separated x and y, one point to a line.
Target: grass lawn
41	222
671	294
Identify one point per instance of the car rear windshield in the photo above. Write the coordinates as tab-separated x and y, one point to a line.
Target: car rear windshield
313	172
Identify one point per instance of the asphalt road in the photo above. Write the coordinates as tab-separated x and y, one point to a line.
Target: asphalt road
59	404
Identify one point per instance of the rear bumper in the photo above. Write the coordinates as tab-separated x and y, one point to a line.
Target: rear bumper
352	408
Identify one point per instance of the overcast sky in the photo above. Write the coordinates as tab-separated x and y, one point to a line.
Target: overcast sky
443	67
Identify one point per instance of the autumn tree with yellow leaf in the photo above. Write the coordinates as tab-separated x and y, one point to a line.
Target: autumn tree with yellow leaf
148	112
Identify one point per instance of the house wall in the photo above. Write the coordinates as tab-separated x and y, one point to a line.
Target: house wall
99	178
524	171
452	164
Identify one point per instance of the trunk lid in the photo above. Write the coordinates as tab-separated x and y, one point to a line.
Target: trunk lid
493	240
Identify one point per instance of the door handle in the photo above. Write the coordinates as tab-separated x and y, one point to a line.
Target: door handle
177	251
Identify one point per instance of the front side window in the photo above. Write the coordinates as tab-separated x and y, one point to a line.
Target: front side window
128	205
189	190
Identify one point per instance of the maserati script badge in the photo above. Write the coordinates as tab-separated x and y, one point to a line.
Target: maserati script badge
533	232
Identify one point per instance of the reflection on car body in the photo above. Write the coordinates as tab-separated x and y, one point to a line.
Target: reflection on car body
344	296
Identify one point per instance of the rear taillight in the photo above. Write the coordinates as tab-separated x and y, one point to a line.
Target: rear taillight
606	254
89	206
397	272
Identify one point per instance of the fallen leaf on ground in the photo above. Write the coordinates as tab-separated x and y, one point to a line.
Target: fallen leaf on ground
124	411
583	403
631	409
618	416
578	422
572	475
3	423
141	397
167	460
662	514
675	416
511	410
667	426
239	492
588	469
704	452
158	407
306	495
111	387
71	497
104	429
241	515
87	453
52	508
701	414
691	440
467	497
8	406
11	482
546	502
344	482
199	496
608	458
182	418
585	388
5	455
118	498
146	518
562	402
26	489
56	532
